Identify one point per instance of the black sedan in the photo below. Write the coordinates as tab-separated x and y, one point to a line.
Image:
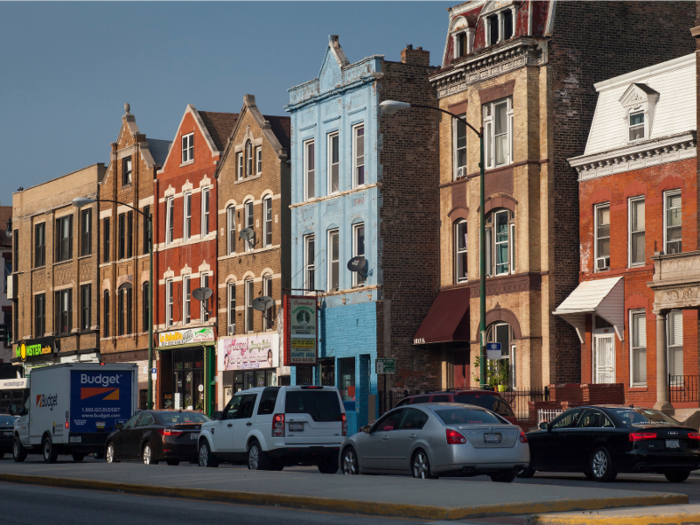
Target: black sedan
6	425
602	441
154	436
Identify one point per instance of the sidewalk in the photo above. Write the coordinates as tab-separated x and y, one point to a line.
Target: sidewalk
301	488
665	515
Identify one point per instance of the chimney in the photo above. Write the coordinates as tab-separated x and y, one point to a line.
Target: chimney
415	56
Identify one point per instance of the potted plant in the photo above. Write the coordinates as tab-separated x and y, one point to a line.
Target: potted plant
492	373
503	375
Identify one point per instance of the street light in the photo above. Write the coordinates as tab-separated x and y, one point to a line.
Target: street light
389	107
79	202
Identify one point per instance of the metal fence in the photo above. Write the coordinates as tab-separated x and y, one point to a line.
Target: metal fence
519	399
683	389
548	414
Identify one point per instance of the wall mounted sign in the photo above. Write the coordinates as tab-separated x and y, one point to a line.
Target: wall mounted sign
248	353
183	337
301	330
32	349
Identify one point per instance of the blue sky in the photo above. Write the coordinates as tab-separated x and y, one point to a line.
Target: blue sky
68	68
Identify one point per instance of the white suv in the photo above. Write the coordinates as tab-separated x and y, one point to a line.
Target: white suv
273	427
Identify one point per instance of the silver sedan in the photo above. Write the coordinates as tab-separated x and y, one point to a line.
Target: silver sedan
438	439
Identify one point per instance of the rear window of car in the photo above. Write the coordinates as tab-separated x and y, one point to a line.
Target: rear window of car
7	421
320	405
644	416
441	399
465	416
493	403
268	401
174	418
421	399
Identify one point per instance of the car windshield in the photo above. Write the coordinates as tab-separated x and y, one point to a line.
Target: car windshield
465	416
320	405
643	417
7	421
488	401
174	418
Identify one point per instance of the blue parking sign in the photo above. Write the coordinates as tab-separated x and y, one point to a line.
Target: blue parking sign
493	351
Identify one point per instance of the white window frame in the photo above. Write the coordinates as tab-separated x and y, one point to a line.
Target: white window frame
187	147
231	229
168	302
249	293
204	277
358	279
186	300
206	203
309	266
355	159
633	348
248	149
239	166
333	262
267	221
458	252
258	160
631	232
231	308
458	172
643	125
169	222
596	238
309	174
331	164
666	196
187	215
249	213
268	322
490	134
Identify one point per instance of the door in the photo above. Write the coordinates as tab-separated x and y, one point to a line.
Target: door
401	441
142	433
131	437
118	438
374	454
593	427
223	431
243	423
554	454
604	358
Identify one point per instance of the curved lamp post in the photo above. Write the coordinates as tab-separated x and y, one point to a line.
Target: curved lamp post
79	202
390	107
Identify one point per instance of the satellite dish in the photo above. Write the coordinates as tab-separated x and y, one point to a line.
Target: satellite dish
202	294
357	264
263	303
247	234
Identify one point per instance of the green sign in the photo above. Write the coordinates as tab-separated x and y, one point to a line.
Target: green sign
386	366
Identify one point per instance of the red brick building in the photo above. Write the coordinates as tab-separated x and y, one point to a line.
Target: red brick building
638	215
186	259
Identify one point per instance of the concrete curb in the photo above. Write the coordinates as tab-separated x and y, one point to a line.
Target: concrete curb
349	506
668	515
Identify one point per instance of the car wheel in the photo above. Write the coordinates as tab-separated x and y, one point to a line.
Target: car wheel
147	455
503	477
677	476
329	466
111	454
77	457
257	460
173	462
351	466
48	450
206	458
19	453
601	466
526	473
421	466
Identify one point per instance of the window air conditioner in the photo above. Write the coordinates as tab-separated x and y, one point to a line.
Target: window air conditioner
231	329
673	247
461	172
602	263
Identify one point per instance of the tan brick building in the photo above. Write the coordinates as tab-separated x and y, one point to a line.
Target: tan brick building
55	288
123	250
253	181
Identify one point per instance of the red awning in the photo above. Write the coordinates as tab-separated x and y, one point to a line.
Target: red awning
447	319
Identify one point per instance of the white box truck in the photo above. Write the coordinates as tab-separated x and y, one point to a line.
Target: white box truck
72	408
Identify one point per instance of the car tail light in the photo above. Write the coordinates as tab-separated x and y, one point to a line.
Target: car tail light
523	437
454	437
278	425
345	425
694	435
66	424
166	432
642	436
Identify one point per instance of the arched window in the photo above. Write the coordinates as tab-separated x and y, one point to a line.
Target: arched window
460	250
503	369
249	223
231	229
124	310
248	159
268	315
267	221
105	310
500	242
231	307
145	309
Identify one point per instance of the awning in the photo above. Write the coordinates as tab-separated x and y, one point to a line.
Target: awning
603	297
447	319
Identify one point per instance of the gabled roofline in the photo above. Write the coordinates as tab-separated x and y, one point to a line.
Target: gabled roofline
641	74
202	128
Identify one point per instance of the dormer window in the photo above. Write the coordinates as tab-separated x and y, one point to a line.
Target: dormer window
639	104
492	24
500	26
507	24
636	125
460	44
462	37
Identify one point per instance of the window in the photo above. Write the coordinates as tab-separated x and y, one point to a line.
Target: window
333	261
239	165
187	214
258	160
126	171
267	221
39	315
205	211
39	245
169	216
333	163
505	367
146	230
63	307
346	378
249	221
636	247
249	306
309	267
231	308
122	235
129	234
638	350
460	251
169	302
105	311
460	149
492	25
186	300
231	229
498	132
187	148
64	239
85	306
358	250
460	41
359	155
673	238
675	347
636	125
309	170
500	233
602	237
507	21
85	232
106	233
146	308
267	314
15	251
248	159
124	310
204	307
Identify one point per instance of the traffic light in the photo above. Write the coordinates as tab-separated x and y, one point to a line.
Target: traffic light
5	335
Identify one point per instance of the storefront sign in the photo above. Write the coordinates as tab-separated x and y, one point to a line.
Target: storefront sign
183	337
248	353
301	336
7	384
36	348
386	366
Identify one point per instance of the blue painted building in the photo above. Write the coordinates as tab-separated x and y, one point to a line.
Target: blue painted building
337	214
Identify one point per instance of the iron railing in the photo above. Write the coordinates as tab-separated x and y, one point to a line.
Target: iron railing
519	400
683	389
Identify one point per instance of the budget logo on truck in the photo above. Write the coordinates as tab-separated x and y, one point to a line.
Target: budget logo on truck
46	400
99	399
108	393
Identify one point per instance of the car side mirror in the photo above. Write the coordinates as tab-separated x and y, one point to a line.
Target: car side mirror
544	425
365	429
217	416
119	426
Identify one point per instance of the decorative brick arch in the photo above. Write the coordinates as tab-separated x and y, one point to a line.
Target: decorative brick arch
635	188
636	301
506	316
671	182
458	213
500	201
600	195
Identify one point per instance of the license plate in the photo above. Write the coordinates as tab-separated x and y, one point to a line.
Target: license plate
7	433
76	439
296	427
492	438
194	435
673	443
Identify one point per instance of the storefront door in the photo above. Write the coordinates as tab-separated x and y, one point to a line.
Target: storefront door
604	358
188	379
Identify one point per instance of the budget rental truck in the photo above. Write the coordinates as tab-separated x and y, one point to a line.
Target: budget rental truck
73	407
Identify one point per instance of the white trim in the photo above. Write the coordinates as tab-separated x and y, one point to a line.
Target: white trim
187	216
665	195
329	162
632	314
595	235
330	261
305	163
186	299
630	215
355	129
309	266
205	212
357	279
265	202
187	151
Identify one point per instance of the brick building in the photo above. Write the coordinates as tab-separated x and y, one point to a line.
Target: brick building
253	182
365	185
525	72
125	192
186	259
637	200
5	302
55	272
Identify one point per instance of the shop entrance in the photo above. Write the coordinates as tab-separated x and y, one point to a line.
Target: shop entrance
188	379
237	380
